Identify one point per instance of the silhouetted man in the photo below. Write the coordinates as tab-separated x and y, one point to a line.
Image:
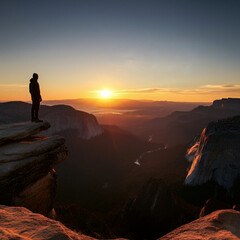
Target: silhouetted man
34	89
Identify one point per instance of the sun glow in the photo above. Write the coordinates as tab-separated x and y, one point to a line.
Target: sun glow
105	93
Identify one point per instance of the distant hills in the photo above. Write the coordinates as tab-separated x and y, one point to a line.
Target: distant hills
100	174
182	127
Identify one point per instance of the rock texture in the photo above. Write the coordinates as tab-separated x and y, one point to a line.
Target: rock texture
20	223
27	177
61	117
41	192
18	131
192	151
219	225
217	158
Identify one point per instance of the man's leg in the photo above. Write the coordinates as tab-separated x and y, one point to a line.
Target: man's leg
33	111
37	104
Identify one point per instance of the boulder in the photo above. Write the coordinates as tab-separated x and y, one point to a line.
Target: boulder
220	225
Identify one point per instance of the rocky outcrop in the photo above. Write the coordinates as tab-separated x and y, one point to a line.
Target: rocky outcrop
221	225
20	223
27	177
18	131
217	158
62	118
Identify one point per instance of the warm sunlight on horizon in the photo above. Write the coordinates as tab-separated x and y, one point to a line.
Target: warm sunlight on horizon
161	51
105	93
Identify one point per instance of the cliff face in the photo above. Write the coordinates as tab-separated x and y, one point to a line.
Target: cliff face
61	117
217	155
27	177
221	225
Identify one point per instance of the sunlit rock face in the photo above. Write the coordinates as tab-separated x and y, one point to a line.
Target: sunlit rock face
221	225
192	151
217	155
27	177
20	223
64	117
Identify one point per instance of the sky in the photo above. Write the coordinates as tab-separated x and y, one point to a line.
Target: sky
175	50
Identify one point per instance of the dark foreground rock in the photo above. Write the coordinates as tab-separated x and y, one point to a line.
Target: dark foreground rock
20	223
212	205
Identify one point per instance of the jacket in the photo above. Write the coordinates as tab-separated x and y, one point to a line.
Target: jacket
34	89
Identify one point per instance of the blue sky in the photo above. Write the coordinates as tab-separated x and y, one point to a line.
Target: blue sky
183	49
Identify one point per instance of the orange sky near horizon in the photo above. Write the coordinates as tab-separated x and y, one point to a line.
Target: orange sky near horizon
185	51
208	93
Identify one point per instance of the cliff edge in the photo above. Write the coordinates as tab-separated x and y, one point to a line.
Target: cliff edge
27	176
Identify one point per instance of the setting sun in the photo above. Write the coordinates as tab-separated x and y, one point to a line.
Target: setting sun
105	93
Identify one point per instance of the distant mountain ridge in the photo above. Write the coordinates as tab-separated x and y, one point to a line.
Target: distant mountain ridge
61	118
230	103
183	126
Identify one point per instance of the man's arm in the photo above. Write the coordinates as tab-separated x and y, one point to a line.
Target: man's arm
30	88
39	93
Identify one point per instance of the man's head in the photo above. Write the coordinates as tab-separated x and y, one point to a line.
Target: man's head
35	76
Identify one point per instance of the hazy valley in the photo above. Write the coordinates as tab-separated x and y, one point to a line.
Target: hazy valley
101	184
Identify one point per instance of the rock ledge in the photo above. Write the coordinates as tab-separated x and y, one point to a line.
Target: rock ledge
27	177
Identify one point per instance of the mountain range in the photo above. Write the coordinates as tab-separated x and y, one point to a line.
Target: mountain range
100	175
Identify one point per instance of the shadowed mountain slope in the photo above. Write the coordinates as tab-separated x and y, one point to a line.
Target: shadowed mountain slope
182	127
